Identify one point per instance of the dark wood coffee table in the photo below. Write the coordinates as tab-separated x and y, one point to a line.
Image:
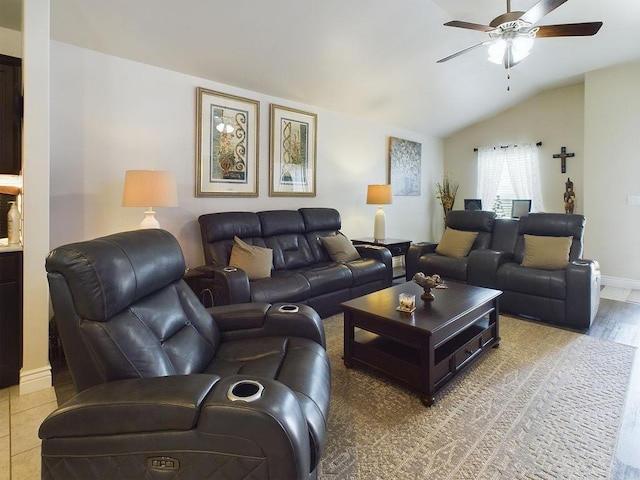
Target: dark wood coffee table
427	348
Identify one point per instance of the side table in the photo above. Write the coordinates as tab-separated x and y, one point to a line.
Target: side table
397	247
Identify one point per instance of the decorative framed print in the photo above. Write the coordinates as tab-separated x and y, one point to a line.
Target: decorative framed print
292	165
405	161
226	144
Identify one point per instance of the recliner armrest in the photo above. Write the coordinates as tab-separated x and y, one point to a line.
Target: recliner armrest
583	292
416	250
229	285
380	253
482	267
252	320
132	405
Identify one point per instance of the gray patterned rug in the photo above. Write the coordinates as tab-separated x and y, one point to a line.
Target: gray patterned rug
546	404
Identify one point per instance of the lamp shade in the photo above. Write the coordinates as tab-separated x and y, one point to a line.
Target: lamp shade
149	188
379	194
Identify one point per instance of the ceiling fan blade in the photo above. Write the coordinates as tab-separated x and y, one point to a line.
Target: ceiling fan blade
569	30
540	9
470	26
442	60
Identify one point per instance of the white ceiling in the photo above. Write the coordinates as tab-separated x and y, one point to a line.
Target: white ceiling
374	59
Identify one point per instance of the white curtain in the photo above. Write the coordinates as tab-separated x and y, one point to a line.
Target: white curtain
491	161
521	162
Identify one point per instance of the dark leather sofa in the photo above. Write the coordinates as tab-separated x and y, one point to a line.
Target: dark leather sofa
568	296
302	269
169	389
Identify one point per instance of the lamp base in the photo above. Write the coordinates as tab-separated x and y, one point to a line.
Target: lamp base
379	227
149	220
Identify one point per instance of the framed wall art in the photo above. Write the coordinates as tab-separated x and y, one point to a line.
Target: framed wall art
227	134
292	165
405	161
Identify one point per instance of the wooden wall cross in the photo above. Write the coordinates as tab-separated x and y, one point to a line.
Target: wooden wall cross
563	155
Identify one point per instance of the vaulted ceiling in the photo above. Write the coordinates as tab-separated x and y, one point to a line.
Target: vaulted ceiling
374	59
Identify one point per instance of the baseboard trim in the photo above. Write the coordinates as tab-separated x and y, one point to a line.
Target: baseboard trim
626	283
35	380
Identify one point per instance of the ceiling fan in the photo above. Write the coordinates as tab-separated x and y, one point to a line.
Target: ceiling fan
512	33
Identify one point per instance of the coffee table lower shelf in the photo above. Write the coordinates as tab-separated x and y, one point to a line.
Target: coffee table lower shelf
419	364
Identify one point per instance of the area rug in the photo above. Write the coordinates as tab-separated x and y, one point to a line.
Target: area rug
546	404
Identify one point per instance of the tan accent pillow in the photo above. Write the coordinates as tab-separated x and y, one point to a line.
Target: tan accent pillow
456	243
546	253
255	261
339	248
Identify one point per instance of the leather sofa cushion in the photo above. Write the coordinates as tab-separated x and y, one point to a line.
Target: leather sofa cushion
532	281
547	253
328	277
456	243
255	261
283	286
340	248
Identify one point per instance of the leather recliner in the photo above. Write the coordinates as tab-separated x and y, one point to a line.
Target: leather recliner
169	389
568	296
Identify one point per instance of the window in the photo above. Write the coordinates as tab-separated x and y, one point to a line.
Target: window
509	173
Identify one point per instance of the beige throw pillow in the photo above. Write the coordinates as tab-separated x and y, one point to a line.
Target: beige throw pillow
546	253
340	248
456	243
255	261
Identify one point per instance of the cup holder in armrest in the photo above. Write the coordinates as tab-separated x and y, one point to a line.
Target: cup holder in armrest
288	309
245	391
229	269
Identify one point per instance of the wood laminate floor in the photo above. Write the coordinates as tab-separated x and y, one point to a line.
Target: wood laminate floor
618	320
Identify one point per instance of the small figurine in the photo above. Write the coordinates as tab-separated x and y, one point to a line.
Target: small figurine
569	197
427	283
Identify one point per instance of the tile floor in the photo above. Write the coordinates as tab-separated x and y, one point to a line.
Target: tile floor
21	416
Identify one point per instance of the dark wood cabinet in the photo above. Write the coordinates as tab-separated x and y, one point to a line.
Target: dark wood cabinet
10	318
10	114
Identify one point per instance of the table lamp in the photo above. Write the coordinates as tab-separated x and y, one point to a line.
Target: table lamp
379	195
149	188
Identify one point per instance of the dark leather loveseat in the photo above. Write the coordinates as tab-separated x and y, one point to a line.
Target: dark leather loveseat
566	296
302	269
168	389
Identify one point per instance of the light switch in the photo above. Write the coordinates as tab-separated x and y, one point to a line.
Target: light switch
633	199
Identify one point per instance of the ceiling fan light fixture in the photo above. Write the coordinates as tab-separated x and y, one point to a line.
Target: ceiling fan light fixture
496	51
521	47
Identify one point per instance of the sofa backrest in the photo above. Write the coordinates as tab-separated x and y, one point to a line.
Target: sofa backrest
218	229
320	222
505	235
123	310
551	225
293	235
480	221
284	232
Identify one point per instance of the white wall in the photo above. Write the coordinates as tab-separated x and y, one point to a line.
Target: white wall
109	115
612	171
10	42
554	117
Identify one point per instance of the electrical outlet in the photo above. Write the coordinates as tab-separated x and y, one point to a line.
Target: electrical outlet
633	199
